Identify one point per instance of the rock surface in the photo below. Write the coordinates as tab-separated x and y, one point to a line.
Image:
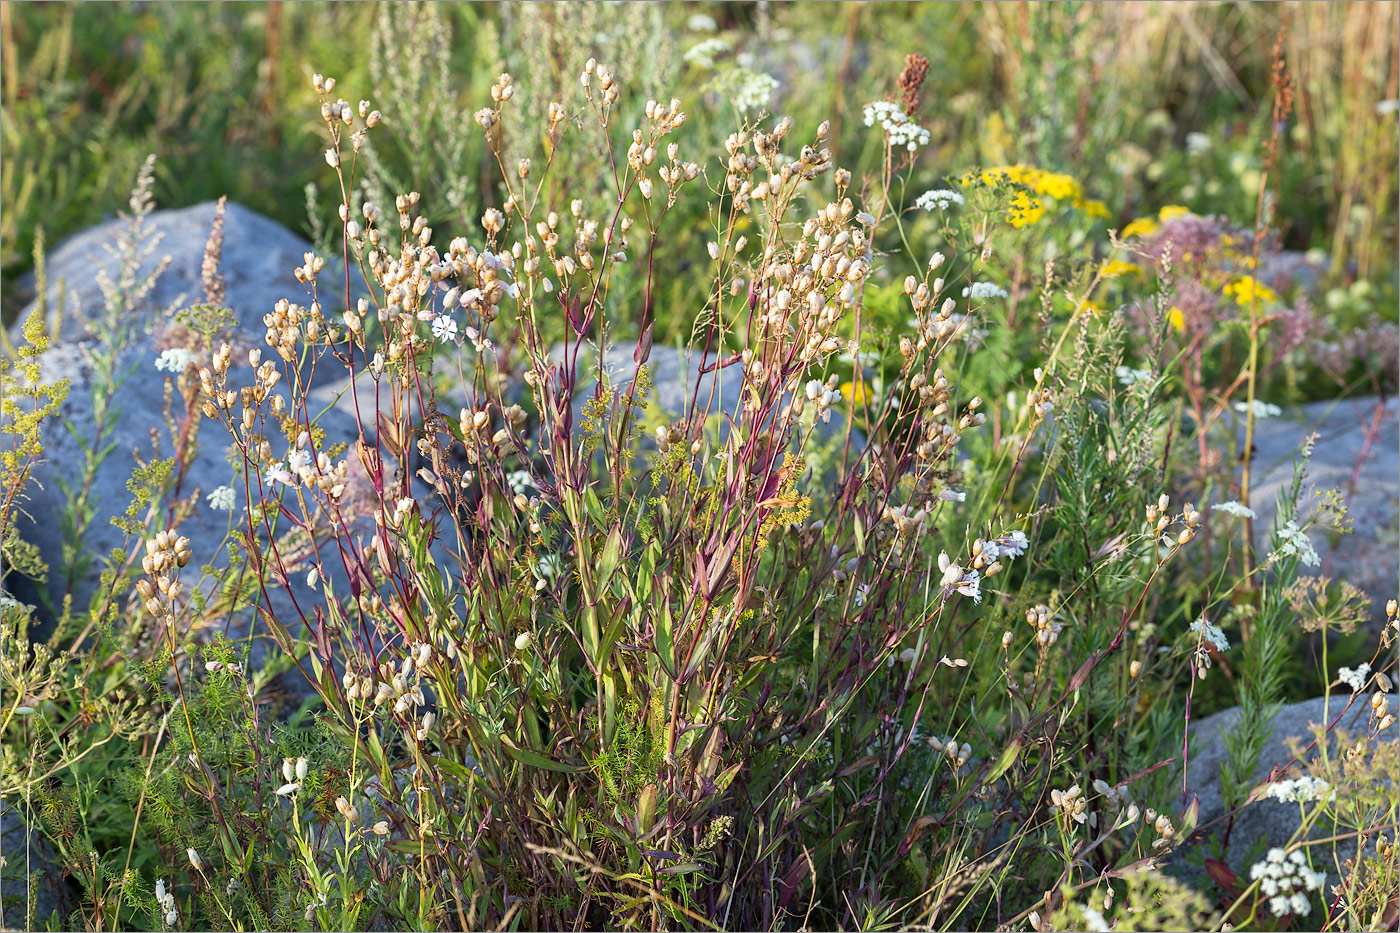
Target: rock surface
259	259
1272	821
1358	451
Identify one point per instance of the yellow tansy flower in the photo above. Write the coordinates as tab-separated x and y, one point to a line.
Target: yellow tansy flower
857	394
1113	268
1143	226
1247	289
1176	318
1172	212
1096	209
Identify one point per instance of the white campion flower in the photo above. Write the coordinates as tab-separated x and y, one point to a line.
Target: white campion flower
298	460
862	592
1236	509
277	473
221	499
971	585
444	328
938	199
194	858
952	573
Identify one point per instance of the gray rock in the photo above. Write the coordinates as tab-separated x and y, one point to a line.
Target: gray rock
259	256
1358	451
1283	269
259	259
1272	821
30	877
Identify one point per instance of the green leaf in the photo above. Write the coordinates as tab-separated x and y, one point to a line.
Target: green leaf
535	760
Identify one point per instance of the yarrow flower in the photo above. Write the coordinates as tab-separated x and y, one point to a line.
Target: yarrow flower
980	291
444	328
704	52
1235	509
1285	880
752	90
221	499
174	360
1211	634
1355	678
939	198
902	131
1294	541
1260	409
1305	789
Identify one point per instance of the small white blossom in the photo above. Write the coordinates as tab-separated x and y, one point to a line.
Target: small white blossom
1305	789
981	291
1211	634
704	52
1235	509
1355	678
902	132
1129	376
444	328
174	360
1261	409
1294	541
221	499
939	198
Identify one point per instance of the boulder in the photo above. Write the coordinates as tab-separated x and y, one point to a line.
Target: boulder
258	263
1272	821
1358	452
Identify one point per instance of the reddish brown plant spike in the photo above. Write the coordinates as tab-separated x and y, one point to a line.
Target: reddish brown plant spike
911	79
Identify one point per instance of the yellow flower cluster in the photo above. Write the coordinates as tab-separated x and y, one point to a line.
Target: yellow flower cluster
1025	209
1245	290
1146	226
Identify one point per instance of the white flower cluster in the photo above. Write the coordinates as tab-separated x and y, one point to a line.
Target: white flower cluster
1211	634
1355	678
981	291
174	360
1129	376
902	131
1294	540
704	52
753	90
166	900
221	499
1260	409
1285	879
1236	509
940	198
1305	789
